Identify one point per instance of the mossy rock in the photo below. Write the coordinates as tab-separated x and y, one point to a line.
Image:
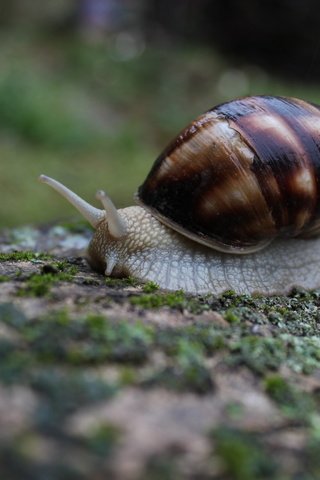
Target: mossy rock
103	377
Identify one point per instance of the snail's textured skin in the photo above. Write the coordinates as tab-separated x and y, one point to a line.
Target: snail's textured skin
152	251
241	174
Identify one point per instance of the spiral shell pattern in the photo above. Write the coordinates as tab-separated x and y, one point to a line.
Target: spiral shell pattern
241	174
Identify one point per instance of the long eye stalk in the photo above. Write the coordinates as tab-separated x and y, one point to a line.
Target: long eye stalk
90	213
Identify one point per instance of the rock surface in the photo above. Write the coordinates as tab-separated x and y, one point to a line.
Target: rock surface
105	378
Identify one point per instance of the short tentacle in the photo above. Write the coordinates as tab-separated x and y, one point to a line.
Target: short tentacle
116	225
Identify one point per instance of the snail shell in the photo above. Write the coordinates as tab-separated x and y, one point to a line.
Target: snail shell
241	174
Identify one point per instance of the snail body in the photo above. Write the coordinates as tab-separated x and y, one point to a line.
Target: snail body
231	203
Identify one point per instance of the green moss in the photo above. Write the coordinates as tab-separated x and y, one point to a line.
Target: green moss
15	364
95	340
188	373
12	316
63	393
103	439
128	375
303	353
296	314
188	378
260	354
189	351
38	285
234	410
49	338
65	267
231	316
202	337
150	287
25	256
277	388
122	342
34	359
295	404
242	455
17	462
229	294
90	340
177	300
151	300
4	278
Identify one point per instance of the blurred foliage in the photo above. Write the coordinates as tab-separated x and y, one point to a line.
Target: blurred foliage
281	36
95	114
37	13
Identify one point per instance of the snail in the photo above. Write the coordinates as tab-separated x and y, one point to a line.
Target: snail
231	203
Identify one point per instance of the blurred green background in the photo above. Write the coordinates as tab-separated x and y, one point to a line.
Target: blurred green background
92	91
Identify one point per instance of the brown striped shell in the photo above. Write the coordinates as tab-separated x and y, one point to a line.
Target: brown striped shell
241	174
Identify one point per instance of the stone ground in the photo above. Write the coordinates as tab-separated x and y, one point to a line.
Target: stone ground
105	378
